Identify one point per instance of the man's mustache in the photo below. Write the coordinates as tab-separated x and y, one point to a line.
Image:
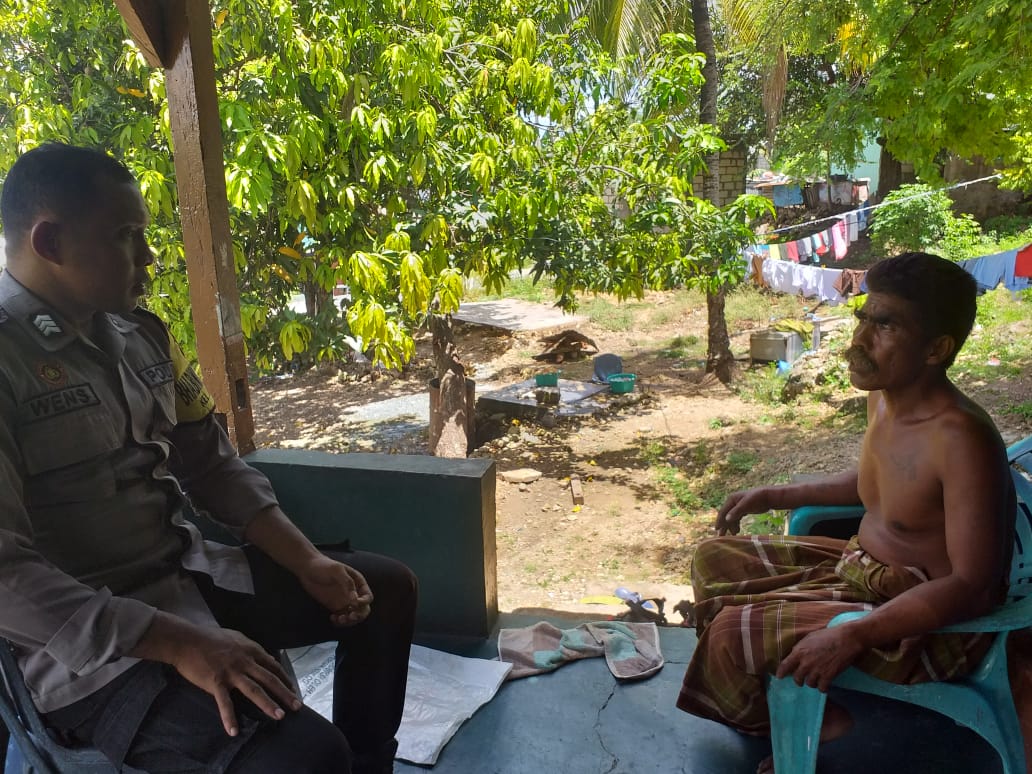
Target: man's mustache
859	359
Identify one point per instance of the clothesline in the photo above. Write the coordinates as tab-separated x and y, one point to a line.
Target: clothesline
1010	268
870	208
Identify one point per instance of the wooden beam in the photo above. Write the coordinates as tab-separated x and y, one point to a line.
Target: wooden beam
146	22
200	175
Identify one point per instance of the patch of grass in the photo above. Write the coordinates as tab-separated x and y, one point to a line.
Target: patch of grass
1023	410
718	422
517	287
610	316
748	304
530	568
701	454
713	496
682	348
762	385
683	499
676	305
653	452
742	462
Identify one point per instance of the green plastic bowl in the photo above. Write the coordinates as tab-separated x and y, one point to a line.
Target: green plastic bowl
547	380
621	383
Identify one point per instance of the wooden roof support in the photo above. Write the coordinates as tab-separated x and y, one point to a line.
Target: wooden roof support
177	34
145	20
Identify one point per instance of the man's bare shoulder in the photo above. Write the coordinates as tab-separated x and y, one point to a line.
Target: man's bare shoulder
962	421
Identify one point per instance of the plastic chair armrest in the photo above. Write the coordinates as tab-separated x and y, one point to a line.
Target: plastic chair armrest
1008	617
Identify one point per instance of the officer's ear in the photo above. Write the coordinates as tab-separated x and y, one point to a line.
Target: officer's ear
941	349
45	238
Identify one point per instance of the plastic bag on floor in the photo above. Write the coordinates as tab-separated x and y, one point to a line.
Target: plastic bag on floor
443	692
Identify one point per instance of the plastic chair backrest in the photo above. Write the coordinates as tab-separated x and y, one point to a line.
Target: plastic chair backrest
1020	455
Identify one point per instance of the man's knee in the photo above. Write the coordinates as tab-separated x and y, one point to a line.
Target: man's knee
302	743
389	579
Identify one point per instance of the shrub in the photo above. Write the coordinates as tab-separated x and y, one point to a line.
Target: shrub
919	217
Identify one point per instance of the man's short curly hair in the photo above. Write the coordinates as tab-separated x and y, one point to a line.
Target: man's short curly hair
943	293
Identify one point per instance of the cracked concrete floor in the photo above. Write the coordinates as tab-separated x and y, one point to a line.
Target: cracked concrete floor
579	720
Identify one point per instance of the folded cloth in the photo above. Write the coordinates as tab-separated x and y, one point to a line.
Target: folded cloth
631	649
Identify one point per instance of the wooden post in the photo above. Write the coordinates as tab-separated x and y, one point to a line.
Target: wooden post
197	139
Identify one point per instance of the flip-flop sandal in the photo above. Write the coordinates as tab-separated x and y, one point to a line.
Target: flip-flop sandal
639	613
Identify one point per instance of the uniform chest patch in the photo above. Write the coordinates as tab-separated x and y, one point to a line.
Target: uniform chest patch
64	401
157	374
52	373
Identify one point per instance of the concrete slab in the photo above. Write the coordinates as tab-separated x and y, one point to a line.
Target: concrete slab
576	398
514	314
580	720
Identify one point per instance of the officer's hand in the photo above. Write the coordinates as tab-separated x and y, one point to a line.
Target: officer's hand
339	588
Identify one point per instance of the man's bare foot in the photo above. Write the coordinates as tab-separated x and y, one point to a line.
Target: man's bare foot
837	722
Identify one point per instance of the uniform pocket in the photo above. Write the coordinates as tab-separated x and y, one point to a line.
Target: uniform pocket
67	456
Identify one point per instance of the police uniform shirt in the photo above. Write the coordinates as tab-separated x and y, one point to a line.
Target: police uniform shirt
98	440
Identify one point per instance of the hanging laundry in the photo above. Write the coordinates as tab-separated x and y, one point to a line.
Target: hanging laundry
990	270
805	249
850	282
775	252
862	214
1023	262
792	250
838	238
852	227
826	287
821	242
809	281
757	271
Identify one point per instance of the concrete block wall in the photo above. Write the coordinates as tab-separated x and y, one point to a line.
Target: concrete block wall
734	165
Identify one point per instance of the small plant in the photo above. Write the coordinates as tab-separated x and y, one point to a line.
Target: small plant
718	422
770	523
653	452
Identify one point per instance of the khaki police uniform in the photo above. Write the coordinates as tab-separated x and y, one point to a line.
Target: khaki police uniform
92	534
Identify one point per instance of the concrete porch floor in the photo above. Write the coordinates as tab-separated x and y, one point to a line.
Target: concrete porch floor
578	720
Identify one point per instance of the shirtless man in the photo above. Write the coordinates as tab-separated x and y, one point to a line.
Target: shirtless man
933	546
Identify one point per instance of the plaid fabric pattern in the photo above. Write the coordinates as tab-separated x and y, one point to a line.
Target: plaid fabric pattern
757	596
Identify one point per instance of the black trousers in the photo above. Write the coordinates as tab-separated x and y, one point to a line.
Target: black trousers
180	730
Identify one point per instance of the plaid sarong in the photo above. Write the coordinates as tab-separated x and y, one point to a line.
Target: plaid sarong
757	596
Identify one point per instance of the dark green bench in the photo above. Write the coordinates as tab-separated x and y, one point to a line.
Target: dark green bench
437	515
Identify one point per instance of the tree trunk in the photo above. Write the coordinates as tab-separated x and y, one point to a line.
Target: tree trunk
708	94
450	417
316	299
890	172
719	359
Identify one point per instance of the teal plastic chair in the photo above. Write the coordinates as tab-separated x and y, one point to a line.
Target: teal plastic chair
982	701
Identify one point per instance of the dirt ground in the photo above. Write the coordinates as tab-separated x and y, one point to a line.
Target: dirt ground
552	553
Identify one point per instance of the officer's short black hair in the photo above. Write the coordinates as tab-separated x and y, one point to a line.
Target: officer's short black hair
54	177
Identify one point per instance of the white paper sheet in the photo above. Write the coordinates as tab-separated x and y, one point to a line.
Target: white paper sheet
443	692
